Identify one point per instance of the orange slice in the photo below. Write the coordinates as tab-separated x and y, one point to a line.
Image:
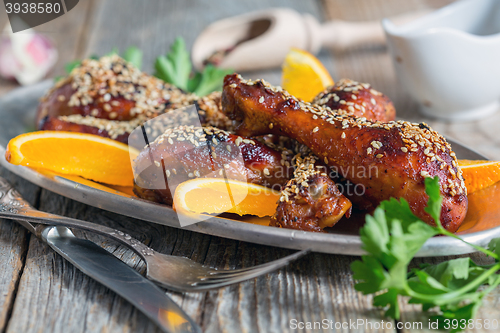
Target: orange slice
304	76
479	174
86	155
218	195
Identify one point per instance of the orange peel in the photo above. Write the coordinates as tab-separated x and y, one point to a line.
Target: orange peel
87	155
303	75
219	195
479	174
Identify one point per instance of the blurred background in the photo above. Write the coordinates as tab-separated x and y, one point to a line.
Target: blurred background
97	26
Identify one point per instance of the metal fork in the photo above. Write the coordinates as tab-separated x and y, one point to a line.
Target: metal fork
176	273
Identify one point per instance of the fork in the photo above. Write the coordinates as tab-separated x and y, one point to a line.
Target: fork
171	272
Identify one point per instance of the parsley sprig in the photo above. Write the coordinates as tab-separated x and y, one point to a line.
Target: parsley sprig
392	237
175	68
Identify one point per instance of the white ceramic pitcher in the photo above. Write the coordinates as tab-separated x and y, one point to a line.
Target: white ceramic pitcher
449	60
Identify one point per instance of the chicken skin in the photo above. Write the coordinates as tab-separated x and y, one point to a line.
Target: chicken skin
187	152
310	201
357	99
387	159
110	97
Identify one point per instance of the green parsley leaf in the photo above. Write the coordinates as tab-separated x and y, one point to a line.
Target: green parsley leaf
68	67
175	67
194	81
452	274
460	313
390	299
134	56
435	200
494	246
211	80
114	50
392	236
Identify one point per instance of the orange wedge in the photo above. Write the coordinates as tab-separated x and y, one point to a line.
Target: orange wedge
304	76
479	174
86	155
218	195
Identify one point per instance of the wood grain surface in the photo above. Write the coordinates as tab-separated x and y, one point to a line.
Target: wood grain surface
41	292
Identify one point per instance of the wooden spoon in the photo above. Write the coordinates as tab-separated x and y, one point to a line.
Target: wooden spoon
262	39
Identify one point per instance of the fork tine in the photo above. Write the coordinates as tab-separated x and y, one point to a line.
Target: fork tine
223	277
278	263
224	281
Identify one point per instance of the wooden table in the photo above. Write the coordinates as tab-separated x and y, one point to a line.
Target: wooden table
41	292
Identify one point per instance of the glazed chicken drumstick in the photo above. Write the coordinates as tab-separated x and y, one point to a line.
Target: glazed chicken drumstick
349	97
110	97
387	159
310	200
186	152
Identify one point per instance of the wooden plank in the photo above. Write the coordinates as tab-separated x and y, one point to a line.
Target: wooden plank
13	248
54	295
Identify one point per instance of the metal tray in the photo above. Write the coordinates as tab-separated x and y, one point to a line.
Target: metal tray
17	113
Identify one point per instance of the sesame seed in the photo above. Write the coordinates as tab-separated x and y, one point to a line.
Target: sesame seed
373	101
271	125
157	164
197	173
379	156
343	135
190	175
167	172
261	99
326	160
266	171
61	98
315	129
228	147
404	149
369	151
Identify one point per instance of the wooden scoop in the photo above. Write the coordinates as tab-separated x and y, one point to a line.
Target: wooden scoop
262	39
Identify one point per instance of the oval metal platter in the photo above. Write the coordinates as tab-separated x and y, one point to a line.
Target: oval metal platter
17	113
